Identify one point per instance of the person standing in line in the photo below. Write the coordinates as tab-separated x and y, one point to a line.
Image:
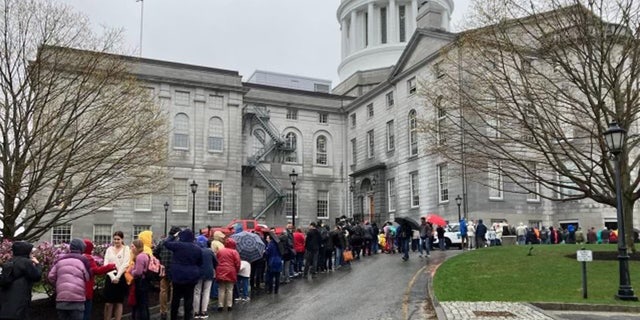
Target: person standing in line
375	247
425	232
138	270
464	234
274	265
311	249
481	232
165	256
471	232
70	274
404	239
521	233
243	281
202	291
115	286
591	236
441	241
605	235
337	239
15	299
95	271
185	266
227	274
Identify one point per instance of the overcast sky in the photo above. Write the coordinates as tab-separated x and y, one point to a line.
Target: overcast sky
289	36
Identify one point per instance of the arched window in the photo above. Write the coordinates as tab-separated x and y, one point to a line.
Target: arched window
181	132
292	144
215	140
413	133
258	140
321	150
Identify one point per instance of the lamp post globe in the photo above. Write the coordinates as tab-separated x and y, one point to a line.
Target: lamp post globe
293	177
194	188
459	202
614	138
166	208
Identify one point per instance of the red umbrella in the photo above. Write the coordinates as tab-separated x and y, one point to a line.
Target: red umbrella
436	219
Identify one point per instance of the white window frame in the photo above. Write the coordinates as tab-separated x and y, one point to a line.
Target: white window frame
137	228
104	231
353	119
288	204
411	86
391	136
322	204
216	102
182	98
181	132
370	111
391	194
370	144
413	133
291	157
322	156
534	196
414	187
443	183
389	99
143	203
496	182
323	117
442	117
215	139
354	151
292	114
215	198
180	202
61	234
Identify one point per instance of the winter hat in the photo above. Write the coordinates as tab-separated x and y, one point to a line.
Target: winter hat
76	246
21	248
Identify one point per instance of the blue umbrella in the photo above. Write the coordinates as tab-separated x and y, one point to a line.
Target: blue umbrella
249	245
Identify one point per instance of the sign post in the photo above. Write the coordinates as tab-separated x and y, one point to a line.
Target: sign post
584	256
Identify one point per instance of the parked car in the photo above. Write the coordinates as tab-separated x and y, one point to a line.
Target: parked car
452	236
229	229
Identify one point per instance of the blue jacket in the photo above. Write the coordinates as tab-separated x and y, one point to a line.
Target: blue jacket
274	259
209	264
187	258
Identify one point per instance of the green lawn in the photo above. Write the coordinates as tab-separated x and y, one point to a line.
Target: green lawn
507	273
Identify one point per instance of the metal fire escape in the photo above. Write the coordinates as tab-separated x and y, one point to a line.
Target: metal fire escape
260	115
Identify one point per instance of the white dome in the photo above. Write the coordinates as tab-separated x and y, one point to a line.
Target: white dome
375	32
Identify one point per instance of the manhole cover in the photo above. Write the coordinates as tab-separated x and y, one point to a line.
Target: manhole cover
493	314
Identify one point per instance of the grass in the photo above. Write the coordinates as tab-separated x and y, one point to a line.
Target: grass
507	273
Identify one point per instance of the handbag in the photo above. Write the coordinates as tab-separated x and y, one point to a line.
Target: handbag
347	255
131	298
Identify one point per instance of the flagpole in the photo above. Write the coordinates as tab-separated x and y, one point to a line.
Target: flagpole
141	23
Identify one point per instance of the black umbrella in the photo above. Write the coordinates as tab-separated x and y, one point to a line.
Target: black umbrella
412	222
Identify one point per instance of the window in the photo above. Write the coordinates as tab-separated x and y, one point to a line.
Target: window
493	127
402	23
182	98
413	134
442	117
321	150
322	117
215	196
101	234
288	204
292	114
414	184
495	182
437	70
383	25
139	228
391	194
354	152
292	145
180	188
443	182
215	140
366	29
391	144
411	85
534	185
181	132
389	97
323	204
61	195
353	119
142	203
216	102
370	144
370	110
61	234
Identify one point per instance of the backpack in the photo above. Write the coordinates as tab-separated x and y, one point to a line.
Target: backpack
7	276
155	267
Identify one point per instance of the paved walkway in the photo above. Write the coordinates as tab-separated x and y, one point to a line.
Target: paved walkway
462	310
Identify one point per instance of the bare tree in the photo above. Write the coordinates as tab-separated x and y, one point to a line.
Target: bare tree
77	130
527	94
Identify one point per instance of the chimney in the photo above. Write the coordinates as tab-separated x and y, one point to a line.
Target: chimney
430	15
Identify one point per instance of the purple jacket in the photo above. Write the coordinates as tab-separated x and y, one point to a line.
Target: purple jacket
70	275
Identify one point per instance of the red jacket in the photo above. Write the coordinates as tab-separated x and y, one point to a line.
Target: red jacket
298	242
95	269
228	262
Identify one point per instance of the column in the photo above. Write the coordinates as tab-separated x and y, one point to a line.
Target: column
345	44
370	26
392	24
353	26
414	18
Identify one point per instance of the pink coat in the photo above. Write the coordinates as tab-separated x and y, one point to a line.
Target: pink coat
228	262
70	274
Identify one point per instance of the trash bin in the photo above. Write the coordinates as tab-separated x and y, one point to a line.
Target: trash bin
508	240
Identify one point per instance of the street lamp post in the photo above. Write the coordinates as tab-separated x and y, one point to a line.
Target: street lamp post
459	202
194	188
614	138
293	176
166	208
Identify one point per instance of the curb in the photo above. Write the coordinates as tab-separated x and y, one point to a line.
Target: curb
434	301
559	306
